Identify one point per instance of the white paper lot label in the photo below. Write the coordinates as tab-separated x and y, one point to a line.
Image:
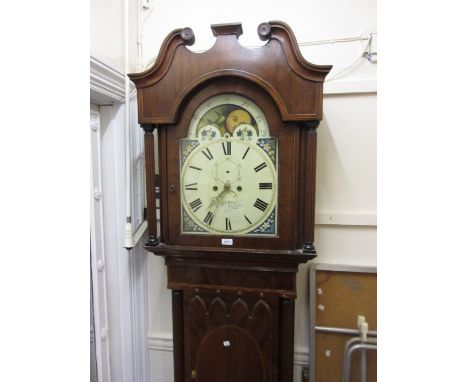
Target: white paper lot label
227	242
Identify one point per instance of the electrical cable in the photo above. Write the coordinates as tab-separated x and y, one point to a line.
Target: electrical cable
311	43
150	11
333	41
363	54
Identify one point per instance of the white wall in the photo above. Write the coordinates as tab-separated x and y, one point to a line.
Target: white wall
107	37
346	166
310	20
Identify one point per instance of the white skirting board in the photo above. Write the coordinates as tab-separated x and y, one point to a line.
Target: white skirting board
161	365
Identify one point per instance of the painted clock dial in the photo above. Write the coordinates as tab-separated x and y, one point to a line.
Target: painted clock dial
229	174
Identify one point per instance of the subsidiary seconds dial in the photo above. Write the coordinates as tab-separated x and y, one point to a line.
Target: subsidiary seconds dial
228	186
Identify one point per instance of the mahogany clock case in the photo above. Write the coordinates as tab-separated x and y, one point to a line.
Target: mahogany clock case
289	137
233	306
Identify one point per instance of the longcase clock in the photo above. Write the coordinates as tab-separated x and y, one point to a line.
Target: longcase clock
237	149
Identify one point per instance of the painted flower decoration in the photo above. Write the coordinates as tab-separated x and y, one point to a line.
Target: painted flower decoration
268	148
188	148
267	225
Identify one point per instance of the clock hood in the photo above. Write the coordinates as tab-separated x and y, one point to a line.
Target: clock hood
168	82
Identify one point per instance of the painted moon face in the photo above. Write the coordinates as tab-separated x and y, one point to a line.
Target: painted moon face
235	118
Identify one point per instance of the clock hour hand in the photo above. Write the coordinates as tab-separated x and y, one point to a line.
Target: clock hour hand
216	201
220	196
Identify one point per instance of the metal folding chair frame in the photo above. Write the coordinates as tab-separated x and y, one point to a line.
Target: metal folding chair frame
356	343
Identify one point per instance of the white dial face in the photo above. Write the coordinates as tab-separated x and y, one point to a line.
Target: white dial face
229	186
228	176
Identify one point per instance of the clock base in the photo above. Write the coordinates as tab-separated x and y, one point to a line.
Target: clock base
233	312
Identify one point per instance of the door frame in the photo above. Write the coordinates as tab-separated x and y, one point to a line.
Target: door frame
119	275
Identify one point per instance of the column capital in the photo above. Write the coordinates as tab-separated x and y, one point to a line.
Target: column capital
311	125
148	128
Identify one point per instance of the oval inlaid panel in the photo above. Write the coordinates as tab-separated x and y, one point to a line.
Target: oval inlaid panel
229	354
